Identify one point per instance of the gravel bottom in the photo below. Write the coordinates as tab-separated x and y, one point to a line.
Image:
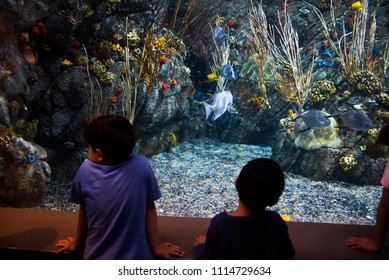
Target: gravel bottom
197	180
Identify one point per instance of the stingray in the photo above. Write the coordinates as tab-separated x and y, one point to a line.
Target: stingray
220	103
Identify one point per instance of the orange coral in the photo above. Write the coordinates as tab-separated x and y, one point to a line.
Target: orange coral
163	59
119	90
173	82
114	99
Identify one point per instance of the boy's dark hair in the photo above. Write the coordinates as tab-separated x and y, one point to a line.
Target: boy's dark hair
383	137
260	183
114	135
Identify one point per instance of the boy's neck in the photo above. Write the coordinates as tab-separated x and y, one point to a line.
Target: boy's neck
242	211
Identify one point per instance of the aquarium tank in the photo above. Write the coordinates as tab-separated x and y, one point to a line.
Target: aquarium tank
208	85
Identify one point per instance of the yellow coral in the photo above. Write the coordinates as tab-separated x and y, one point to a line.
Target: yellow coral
160	44
133	39
347	162
66	63
117	47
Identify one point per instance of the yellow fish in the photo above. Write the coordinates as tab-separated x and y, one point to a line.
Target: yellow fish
212	77
357	6
285	217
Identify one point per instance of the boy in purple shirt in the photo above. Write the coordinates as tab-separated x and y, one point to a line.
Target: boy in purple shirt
116	193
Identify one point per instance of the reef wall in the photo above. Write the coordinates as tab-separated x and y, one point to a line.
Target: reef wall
65	62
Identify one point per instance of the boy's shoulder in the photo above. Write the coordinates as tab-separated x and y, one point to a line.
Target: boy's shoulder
267	215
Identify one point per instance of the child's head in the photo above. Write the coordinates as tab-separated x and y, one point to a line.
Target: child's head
113	135
260	183
383	137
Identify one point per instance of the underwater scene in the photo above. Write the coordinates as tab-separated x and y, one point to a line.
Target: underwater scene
208	85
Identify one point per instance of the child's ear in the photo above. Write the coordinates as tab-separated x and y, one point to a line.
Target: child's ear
99	155
236	180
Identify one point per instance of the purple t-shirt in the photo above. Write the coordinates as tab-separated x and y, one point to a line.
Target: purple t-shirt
115	199
385	177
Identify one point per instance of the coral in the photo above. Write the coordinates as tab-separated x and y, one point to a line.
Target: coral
160	44
372	136
6	135
66	63
347	162
98	68
366	82
9	66
133	39
107	78
104	49
113	99
321	91
324	4
382	99
26	130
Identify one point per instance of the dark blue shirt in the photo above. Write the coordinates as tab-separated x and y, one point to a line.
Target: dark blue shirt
263	236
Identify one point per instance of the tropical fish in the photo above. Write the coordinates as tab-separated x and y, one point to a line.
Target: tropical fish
227	71
219	35
212	77
314	119
357	6
221	102
355	120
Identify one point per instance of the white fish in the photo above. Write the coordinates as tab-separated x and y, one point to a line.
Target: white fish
221	102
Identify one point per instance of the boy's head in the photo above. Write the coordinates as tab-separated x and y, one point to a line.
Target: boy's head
383	137
113	136
260	183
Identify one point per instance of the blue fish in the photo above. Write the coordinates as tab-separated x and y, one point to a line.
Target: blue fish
326	53
221	102
199	96
314	119
322	62
227	71
219	35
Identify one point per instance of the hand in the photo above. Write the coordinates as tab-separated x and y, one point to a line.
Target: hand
199	240
362	243
67	244
168	250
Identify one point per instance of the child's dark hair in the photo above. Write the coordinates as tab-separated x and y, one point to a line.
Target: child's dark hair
260	183
383	137
114	135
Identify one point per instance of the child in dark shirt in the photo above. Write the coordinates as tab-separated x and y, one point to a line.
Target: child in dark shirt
251	232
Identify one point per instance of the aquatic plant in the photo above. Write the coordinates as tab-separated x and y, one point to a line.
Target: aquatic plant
347	162
321	91
260	46
292	82
96	105
190	16
355	48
